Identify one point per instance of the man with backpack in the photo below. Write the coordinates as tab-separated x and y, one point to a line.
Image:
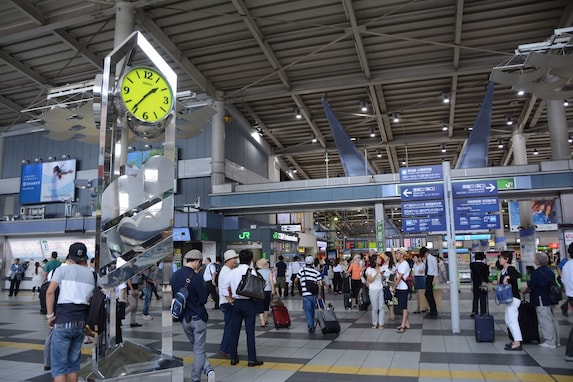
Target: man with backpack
76	282
194	321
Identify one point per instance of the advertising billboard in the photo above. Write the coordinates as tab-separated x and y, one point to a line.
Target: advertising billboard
47	182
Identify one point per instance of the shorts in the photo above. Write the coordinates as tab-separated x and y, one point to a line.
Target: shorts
66	348
402	297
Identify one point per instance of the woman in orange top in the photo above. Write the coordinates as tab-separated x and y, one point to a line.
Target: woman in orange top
355	271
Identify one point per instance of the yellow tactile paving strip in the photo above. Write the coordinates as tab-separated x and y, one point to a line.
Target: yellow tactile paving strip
354	370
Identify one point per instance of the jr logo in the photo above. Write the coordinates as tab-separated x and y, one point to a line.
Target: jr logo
245	236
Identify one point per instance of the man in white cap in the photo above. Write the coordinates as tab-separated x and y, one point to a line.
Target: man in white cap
76	283
310	284
194	322
230	258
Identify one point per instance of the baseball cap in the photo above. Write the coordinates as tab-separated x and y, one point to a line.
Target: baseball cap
78	252
230	254
309	260
194	254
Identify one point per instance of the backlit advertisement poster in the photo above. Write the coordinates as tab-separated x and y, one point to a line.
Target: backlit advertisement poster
543	214
48	182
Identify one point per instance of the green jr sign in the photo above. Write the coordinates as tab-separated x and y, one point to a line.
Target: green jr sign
506	183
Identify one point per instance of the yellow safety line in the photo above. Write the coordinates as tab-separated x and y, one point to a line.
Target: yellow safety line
356	370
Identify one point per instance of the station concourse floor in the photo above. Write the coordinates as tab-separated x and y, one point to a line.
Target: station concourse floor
428	351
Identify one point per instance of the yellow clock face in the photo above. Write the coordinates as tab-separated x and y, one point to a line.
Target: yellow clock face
146	94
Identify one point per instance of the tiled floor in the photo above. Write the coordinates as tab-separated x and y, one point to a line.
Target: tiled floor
426	352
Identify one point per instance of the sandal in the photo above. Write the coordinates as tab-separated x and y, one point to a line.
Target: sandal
401	329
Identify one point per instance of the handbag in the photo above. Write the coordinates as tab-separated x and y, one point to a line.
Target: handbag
387	293
503	294
252	285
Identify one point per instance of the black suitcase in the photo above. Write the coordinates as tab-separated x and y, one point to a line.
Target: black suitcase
326	319
347	301
528	322
346	285
484	326
363	299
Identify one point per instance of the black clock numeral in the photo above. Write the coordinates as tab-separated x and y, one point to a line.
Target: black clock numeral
145	116
148	75
158	79
135	110
126	90
166	100
155	115
161	107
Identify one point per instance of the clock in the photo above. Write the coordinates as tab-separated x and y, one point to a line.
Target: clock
148	100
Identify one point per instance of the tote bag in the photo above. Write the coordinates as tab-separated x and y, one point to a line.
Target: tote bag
503	294
252	285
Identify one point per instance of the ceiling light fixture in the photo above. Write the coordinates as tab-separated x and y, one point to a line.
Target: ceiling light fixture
25	161
445	127
148	146
565	103
364	106
65	156
378	154
313	139
445	98
500	144
509	120
372	133
535	152
570	140
520	92
396	117
443	148
38	160
297	114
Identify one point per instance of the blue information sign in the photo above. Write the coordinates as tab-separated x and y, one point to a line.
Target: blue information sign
422	173
422	191
473	222
424	208
474	188
476	205
420	225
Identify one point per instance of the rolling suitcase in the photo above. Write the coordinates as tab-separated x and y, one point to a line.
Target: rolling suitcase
484	326
528	322
326	319
280	315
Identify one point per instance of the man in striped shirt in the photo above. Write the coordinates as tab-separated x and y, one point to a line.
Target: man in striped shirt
310	283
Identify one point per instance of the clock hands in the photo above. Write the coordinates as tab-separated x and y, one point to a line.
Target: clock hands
144	97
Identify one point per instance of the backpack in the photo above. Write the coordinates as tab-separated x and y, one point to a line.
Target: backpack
96	319
180	300
555	294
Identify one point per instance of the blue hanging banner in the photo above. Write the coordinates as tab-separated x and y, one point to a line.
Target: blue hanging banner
475	152
352	161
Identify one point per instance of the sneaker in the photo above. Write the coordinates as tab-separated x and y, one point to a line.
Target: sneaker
135	325
569	358
211	376
546	345
147	317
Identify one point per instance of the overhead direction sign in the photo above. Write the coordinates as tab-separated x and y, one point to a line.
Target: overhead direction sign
422	191
474	188
422	173
418	225
423	208
472	222
476	205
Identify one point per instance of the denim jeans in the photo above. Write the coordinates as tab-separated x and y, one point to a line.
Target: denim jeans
308	304
227	310
146	300
196	331
66	347
243	310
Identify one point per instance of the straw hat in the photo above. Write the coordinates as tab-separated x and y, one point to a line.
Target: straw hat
262	264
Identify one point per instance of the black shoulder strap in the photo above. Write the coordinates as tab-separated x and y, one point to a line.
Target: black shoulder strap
188	279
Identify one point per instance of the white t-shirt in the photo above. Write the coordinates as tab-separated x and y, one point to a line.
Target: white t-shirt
403	269
223	279
119	292
419	269
377	283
